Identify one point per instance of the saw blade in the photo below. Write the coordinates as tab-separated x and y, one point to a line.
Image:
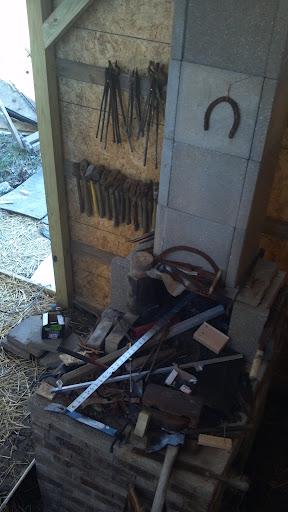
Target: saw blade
83	419
130	352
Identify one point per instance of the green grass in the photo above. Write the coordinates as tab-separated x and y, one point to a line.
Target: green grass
16	165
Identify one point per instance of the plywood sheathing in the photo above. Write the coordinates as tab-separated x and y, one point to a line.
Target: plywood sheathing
133	33
276	249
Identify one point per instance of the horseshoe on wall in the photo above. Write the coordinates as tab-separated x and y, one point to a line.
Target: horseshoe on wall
236	112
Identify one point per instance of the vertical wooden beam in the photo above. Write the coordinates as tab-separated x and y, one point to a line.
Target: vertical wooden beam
44	74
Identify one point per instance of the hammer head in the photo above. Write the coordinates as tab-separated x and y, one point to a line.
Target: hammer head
159	440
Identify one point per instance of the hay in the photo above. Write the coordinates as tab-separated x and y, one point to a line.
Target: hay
15	296
16	377
23	247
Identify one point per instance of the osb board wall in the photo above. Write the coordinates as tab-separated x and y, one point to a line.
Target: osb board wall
134	33
276	249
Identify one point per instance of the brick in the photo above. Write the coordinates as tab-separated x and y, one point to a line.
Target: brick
230	35
172	98
206	84
206	183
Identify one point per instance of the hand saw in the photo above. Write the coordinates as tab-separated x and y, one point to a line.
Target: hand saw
129	353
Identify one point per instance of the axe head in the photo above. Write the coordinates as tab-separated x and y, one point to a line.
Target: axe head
159	440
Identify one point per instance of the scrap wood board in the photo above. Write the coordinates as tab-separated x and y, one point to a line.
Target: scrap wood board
32	202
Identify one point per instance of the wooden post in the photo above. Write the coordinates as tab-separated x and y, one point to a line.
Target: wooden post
43	62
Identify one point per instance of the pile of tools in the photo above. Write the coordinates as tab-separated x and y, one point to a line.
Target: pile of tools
149	118
163	380
114	196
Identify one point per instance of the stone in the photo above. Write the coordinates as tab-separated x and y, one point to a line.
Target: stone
120	268
178	31
166	163
263	119
244	248
50	360
258	282
199	86
172	98
27	336
16	351
206	183
178	228
5	187
230	35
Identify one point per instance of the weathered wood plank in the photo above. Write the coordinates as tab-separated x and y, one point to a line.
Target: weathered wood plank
10	125
93	74
62	18
51	148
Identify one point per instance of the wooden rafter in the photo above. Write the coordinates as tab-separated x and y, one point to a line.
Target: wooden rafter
62	18
44	73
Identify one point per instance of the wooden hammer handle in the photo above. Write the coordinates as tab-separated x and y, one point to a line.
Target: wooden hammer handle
163	482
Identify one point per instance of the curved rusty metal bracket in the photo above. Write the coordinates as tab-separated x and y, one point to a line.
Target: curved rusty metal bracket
236	111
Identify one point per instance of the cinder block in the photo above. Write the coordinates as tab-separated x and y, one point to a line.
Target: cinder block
97	338
199	86
178	31
120	268
178	228
13	349
247	194
263	119
166	163
278	44
206	183
230	35
244	248
172	98
27	336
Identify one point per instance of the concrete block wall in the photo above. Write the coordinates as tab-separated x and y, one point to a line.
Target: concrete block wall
77	472
214	190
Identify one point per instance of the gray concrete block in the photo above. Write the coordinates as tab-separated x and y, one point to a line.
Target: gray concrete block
229	34
247	194
206	183
246	326
172	98
161	214
120	268
199	86
245	246
178	31
27	336
113	340
277	50
166	162
263	119
13	349
178	228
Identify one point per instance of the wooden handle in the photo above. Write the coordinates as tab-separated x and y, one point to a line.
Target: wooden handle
256	365
87	199
94	198
163	482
